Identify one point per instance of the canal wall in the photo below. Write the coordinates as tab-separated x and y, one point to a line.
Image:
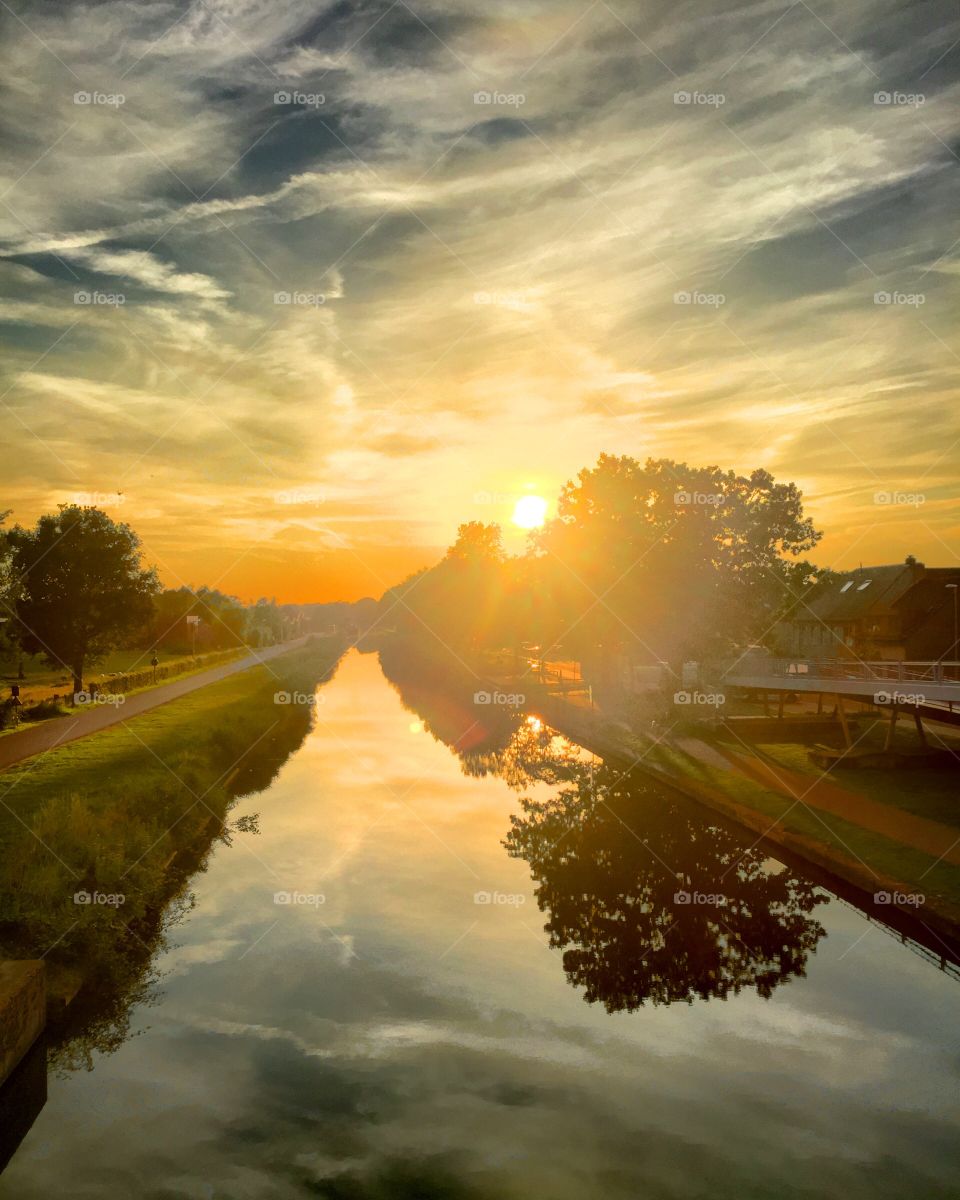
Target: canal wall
23	1009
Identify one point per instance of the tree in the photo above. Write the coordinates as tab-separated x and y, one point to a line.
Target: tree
223	620
686	561
459	601
9	590
84	588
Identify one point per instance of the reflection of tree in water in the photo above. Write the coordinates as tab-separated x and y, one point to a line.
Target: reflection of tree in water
98	1020
610	857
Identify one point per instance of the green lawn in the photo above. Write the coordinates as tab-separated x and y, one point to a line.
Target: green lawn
913	868
925	792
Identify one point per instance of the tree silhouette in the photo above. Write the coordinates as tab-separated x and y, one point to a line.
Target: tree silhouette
611	859
83	587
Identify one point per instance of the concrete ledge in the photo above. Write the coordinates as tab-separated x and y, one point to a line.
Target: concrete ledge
23	1009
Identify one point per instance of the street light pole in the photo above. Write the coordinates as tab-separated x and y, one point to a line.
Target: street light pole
952	587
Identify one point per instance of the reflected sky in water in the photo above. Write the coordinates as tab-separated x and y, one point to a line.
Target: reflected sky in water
401	1040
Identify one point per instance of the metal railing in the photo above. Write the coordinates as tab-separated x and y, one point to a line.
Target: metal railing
852	669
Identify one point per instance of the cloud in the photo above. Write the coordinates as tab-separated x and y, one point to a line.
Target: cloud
621	157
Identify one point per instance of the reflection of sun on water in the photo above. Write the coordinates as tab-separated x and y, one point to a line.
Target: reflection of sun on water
530	512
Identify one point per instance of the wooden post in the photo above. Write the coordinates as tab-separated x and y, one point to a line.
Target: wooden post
919	724
766	703
842	714
891	728
780	704
819	704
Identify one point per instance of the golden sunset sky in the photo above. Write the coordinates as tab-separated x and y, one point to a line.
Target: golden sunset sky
310	284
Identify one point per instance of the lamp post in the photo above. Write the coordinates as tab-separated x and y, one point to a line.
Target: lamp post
952	587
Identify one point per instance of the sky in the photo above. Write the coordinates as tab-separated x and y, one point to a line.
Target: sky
296	288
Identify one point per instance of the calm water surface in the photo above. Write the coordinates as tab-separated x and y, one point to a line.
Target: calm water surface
401	1039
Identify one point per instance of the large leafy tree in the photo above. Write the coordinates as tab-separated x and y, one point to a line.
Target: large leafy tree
460	601
84	588
682	560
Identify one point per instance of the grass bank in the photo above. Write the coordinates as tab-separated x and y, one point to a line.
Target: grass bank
113	814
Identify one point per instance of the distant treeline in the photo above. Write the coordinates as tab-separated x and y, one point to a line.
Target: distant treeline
74	587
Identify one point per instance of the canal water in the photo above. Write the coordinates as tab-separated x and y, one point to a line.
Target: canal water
364	1000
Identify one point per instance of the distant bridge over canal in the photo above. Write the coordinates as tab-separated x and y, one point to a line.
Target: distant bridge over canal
925	689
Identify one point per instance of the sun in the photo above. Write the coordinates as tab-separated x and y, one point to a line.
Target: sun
530	512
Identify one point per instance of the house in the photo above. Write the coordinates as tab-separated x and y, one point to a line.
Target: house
898	612
929	616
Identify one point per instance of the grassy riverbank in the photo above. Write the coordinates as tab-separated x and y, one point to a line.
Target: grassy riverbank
110	814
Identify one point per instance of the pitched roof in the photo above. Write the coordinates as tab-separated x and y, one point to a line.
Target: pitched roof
852	594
